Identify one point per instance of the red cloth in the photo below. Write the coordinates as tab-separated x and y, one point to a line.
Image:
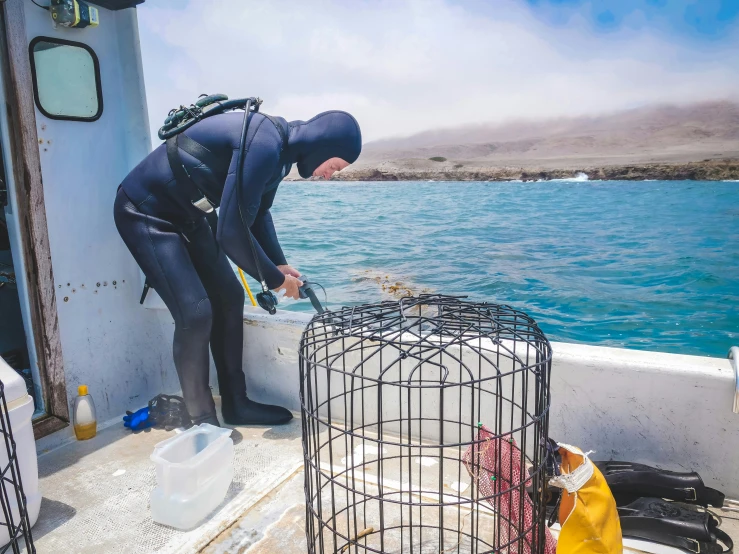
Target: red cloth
500	457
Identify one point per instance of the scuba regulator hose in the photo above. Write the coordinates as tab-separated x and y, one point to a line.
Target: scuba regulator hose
246	286
266	299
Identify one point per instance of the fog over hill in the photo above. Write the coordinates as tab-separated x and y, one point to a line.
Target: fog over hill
654	134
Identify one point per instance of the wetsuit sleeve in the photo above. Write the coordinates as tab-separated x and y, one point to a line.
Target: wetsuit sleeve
263	230
260	163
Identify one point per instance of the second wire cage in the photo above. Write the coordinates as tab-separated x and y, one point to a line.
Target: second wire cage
424	428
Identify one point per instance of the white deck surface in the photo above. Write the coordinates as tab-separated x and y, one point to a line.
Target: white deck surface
96	496
96	492
277	524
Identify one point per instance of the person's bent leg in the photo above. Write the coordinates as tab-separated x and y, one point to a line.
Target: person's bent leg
190	350
227	333
160	251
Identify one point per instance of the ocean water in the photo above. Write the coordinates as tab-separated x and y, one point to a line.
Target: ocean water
644	265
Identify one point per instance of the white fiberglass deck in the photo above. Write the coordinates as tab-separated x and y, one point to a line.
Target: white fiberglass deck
96	492
277	524
96	496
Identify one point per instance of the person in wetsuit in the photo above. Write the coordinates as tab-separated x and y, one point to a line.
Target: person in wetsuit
184	252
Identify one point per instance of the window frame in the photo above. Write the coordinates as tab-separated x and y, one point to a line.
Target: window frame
96	67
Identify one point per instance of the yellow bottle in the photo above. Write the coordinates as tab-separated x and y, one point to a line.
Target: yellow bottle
85	422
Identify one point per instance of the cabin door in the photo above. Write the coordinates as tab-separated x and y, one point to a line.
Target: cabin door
15	325
75	124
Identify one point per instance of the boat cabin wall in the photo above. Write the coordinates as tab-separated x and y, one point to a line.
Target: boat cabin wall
121	350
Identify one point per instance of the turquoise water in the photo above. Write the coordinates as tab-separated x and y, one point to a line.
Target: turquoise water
645	265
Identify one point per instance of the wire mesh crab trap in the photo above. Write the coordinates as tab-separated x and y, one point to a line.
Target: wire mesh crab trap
15	528
424	428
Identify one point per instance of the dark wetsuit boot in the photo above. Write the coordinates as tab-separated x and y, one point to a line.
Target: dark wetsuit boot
242	411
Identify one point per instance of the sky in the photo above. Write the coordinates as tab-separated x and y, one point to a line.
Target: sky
405	66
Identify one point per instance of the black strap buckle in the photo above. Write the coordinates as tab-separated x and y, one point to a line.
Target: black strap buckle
691	542
197	196
690	494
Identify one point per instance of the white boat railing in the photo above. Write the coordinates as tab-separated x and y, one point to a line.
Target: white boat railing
734	357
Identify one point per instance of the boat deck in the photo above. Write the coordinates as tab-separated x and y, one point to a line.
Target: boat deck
96	496
96	492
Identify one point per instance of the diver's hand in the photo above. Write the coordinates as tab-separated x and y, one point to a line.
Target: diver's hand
290	286
288	270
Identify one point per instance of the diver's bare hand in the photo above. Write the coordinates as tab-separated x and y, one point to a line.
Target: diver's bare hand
290	286
288	270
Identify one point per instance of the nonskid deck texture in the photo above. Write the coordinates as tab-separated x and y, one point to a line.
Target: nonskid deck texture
277	524
96	493
96	499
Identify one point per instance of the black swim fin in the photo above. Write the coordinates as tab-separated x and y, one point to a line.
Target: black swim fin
674	524
629	481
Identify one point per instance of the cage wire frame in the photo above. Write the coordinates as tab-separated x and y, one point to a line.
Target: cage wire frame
12	498
395	399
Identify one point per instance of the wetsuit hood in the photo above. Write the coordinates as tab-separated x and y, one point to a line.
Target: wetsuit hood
328	135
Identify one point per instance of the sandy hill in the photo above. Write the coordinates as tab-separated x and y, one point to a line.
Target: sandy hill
644	135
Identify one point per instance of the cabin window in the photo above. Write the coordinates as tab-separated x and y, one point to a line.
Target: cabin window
66	79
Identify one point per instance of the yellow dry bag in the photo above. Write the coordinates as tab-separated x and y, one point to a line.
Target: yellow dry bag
587	510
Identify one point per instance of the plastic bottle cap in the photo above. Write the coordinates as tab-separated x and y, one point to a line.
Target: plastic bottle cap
82	390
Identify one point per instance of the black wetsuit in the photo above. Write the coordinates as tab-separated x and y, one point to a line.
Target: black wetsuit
184	255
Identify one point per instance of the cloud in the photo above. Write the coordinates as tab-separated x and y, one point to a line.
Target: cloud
403	66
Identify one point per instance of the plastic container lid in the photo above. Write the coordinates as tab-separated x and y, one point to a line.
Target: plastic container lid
82	390
15	386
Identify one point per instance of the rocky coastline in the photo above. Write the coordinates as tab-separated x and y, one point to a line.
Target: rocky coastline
709	170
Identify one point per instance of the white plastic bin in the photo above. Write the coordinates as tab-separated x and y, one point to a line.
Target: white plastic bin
20	412
194	471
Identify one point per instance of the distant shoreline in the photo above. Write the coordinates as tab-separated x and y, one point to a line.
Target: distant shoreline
709	170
